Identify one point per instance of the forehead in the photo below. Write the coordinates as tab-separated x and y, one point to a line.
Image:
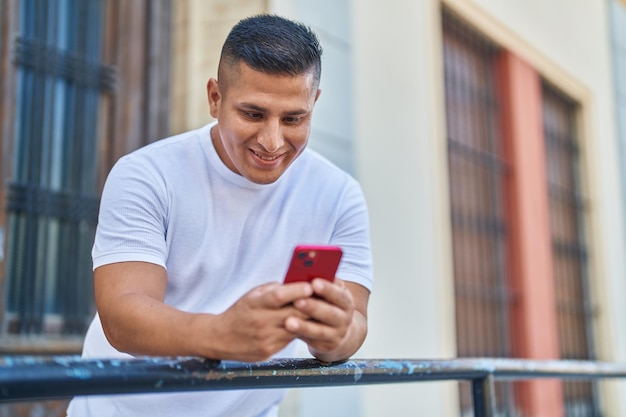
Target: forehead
243	83
239	74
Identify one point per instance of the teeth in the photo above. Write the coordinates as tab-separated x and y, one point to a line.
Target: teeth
266	158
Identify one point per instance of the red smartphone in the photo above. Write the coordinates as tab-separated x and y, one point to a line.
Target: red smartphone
311	261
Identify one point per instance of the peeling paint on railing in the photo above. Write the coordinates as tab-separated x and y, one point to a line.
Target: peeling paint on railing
35	378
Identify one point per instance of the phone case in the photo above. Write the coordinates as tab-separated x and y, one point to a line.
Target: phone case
309	262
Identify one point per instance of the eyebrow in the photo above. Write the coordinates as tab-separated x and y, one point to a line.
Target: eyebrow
250	106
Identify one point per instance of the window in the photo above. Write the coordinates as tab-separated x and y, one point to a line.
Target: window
477	171
92	82
52	197
567	211
517	214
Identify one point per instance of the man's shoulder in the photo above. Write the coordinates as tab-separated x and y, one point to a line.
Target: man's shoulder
314	174
171	143
319	164
165	151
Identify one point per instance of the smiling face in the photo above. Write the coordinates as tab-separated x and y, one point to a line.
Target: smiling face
264	120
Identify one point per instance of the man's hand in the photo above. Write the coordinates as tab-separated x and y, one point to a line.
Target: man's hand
337	319
253	328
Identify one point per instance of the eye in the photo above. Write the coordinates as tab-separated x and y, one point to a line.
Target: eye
253	115
292	120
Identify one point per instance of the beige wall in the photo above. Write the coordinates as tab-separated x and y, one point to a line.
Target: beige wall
401	151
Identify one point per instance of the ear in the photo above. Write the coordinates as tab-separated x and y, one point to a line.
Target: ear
214	96
317	95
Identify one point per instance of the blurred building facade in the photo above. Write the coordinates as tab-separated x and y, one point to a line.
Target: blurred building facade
489	137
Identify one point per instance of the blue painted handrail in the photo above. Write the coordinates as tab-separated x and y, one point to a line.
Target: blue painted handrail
25	378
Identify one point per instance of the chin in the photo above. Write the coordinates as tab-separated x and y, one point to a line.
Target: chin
259	176
267	180
263	179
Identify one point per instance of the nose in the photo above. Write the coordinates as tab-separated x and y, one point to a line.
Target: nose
271	136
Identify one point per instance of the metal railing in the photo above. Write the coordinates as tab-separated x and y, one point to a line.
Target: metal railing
26	378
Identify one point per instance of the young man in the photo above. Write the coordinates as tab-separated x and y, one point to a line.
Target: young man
195	233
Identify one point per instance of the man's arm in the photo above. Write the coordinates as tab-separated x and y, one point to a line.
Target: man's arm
337	325
130	301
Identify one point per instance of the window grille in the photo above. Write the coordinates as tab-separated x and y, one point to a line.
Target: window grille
570	254
479	234
52	197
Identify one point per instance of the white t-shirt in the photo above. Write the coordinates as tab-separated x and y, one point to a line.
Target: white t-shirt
174	203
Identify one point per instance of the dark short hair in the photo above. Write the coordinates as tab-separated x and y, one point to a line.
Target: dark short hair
273	45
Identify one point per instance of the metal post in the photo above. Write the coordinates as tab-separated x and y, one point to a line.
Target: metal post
484	396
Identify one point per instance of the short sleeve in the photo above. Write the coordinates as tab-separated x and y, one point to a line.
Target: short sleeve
352	234
132	221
